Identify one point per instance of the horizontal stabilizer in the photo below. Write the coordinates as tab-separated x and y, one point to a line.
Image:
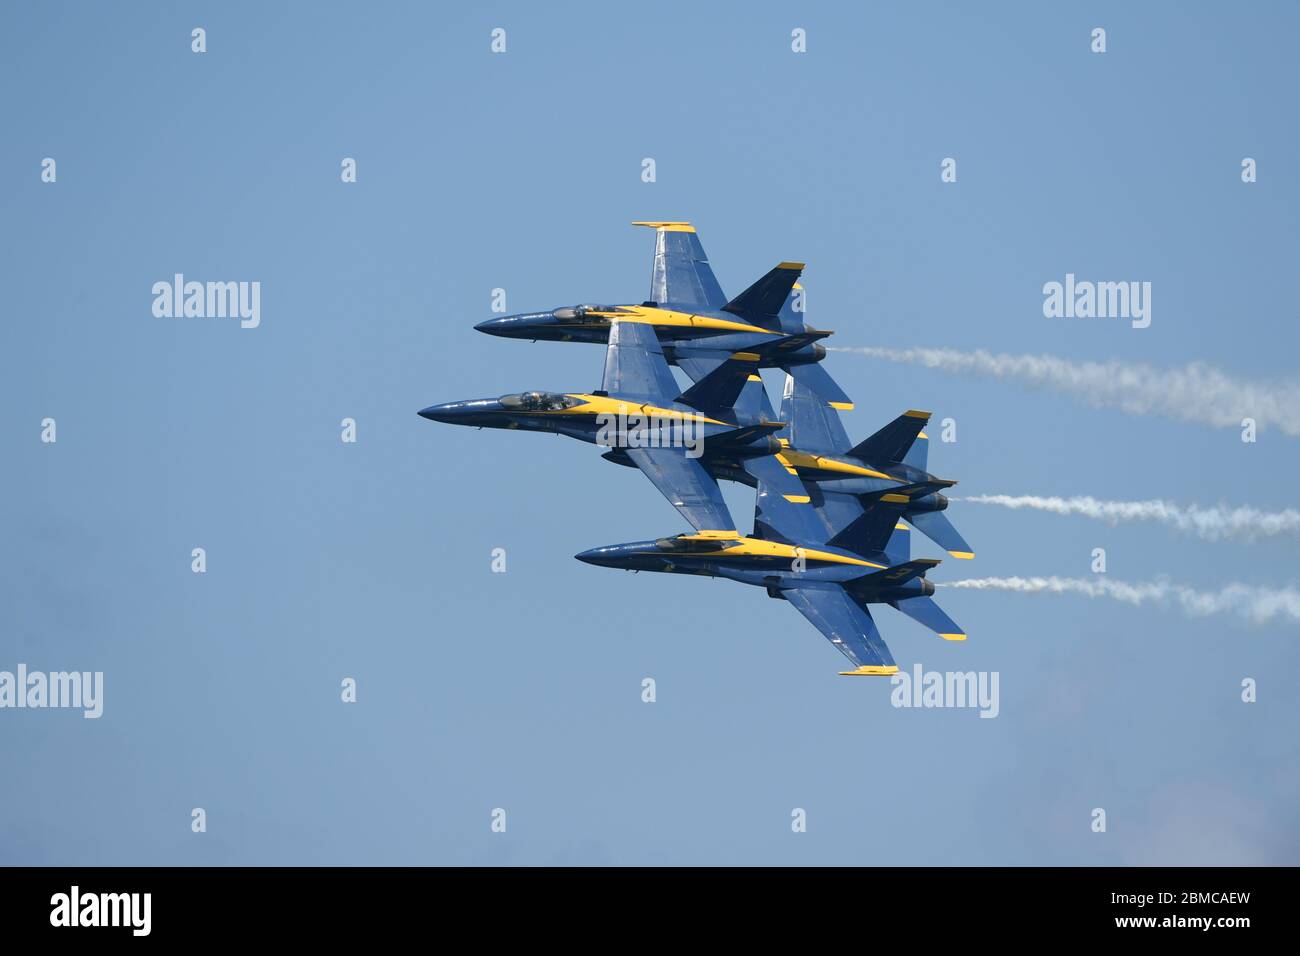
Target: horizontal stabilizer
762	301
924	611
819	381
936	526
893	441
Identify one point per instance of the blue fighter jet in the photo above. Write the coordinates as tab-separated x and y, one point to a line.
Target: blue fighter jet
892	460
641	412
830	580
697	326
840	478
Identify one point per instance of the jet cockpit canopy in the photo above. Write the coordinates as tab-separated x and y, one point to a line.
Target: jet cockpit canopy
538	401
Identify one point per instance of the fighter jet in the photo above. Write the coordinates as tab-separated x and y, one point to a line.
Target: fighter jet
892	460
840	478
697	326
641	412
830	580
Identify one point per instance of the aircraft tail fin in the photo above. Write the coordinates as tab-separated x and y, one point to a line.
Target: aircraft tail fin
814	425
894	441
918	454
870	532
791	314
753	403
720	388
762	302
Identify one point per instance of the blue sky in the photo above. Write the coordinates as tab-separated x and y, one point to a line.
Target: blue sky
521	171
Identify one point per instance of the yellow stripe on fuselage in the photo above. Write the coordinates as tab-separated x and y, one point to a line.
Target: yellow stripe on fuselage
802	459
759	548
604	405
670	318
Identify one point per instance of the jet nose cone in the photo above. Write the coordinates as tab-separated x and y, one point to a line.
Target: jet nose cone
440	413
525	325
603	557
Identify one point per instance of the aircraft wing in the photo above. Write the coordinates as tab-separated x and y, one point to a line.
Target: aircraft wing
687	486
635	365
846	624
681	274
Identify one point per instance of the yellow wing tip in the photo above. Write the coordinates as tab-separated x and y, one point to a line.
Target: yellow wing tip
964	555
668	226
953	637
797	499
842	406
871	670
916	413
797	266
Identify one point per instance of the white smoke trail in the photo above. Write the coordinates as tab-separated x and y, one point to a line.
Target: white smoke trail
1194	393
1257	604
1212	524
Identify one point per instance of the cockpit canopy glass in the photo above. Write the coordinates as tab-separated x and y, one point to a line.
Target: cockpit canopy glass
678	544
538	401
580	313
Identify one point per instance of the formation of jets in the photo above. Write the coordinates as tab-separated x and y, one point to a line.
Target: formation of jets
832	520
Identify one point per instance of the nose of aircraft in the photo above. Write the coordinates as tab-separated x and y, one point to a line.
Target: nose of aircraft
611	557
446	412
516	326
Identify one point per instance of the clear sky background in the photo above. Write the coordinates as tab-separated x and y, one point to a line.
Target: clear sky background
522	690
